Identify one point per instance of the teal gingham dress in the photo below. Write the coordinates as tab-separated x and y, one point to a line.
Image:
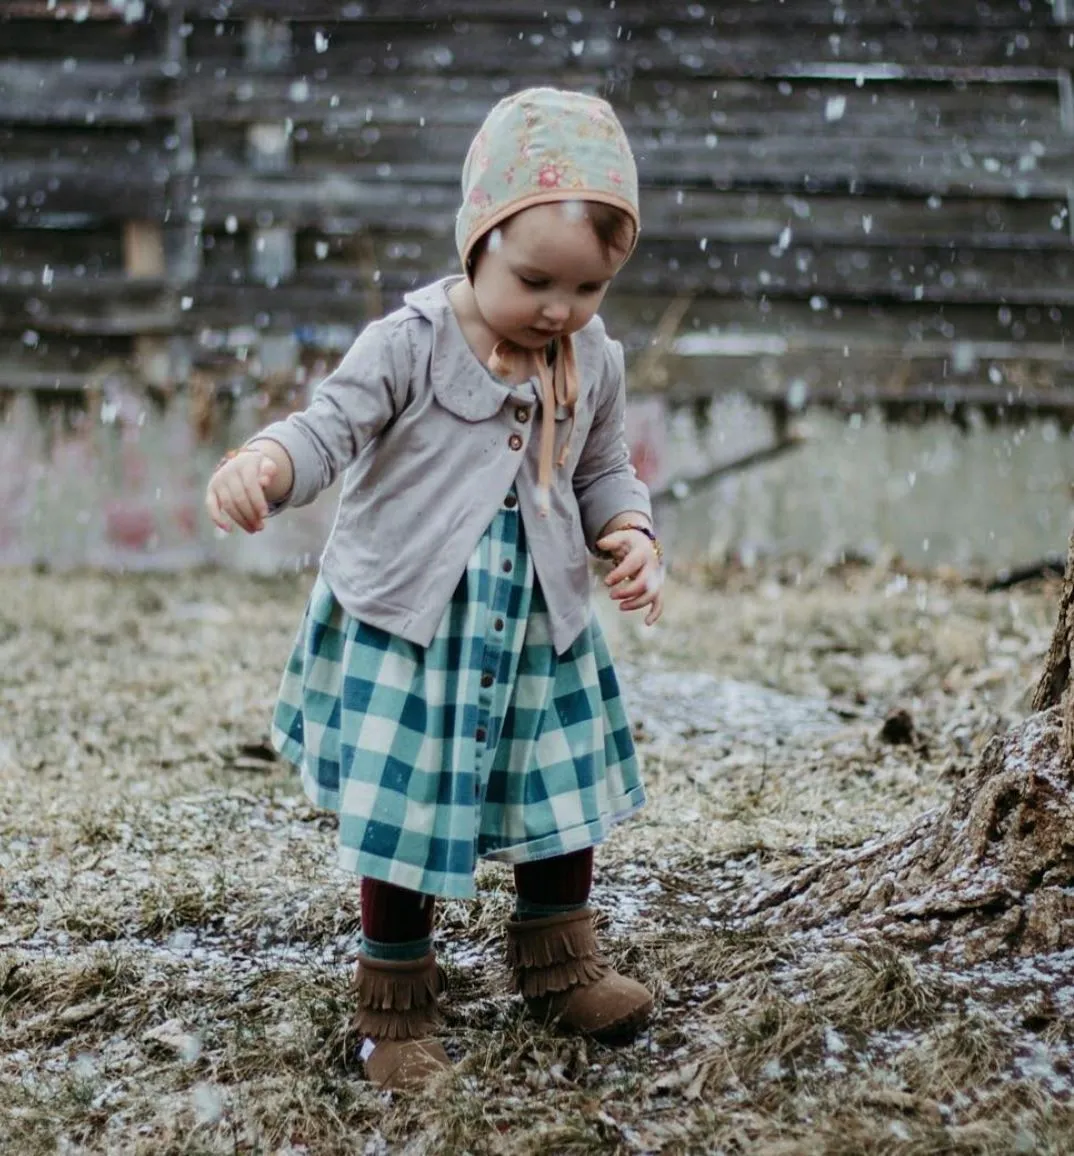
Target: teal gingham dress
485	744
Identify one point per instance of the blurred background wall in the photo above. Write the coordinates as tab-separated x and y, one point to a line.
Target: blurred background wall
855	274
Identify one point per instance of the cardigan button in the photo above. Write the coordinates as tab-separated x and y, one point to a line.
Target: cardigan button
487	680
522	414
515	441
480	734
510	501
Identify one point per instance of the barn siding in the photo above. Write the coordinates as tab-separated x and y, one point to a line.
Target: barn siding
202	202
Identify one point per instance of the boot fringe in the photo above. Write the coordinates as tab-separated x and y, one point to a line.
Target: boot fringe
552	955
393	1026
538	982
397	1001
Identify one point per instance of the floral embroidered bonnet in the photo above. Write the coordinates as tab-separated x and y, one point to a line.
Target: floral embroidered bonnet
538	146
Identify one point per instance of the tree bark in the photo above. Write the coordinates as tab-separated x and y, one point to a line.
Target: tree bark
988	874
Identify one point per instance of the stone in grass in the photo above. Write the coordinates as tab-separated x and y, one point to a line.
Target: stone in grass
898	728
173	1038
79	1013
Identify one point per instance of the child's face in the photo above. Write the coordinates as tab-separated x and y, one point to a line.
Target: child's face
543	274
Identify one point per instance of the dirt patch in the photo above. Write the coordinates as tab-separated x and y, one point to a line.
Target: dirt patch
176	941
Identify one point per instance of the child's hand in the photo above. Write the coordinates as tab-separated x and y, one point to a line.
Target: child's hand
236	491
638	577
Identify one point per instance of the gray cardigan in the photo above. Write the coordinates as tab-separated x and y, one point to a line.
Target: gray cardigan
431	443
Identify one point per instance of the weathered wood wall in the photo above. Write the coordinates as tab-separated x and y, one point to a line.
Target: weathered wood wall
201	201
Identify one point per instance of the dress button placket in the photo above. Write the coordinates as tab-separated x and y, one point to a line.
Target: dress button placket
500	571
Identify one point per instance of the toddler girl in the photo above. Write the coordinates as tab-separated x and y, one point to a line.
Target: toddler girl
450	694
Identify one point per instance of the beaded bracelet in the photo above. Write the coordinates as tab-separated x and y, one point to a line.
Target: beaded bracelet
658	549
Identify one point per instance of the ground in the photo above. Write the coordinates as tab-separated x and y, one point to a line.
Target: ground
176	940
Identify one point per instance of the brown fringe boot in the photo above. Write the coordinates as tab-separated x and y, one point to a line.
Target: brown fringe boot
397	1011
562	976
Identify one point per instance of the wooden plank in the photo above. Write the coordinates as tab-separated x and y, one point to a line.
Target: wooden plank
54	361
727	330
759	325
266	43
77	10
798	376
107	305
272	255
827	107
225	254
907	272
90	93
334	204
935	396
65	194
268	147
736	264
326	143
43	93
99	306
719	267
92	251
919	13
875	165
131	147
143	250
384	48
1014	164
839	220
798	379
49	383
115	40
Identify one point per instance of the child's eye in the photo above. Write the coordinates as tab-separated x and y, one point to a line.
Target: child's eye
532	282
592	288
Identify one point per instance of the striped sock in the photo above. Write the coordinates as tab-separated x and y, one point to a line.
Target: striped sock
525	909
396	952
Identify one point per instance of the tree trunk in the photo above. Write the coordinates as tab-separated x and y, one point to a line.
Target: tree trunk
988	874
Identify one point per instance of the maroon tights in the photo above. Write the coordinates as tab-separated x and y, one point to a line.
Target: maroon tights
393	914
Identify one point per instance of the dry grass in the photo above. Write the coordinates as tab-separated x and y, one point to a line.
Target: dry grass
875	989
176	942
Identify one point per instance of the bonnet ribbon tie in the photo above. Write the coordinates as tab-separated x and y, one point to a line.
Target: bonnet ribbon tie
559	387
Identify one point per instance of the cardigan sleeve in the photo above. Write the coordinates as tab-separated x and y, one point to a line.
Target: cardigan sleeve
348	409
605	482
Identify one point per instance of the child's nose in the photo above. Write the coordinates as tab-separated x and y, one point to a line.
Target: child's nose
557	312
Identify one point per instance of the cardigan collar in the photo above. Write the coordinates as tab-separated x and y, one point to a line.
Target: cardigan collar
460	382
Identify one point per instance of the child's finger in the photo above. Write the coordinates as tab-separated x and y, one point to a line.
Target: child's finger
627	567
240	506
630	590
610	541
250	476
212	504
653	599
231	512
648	585
256	494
